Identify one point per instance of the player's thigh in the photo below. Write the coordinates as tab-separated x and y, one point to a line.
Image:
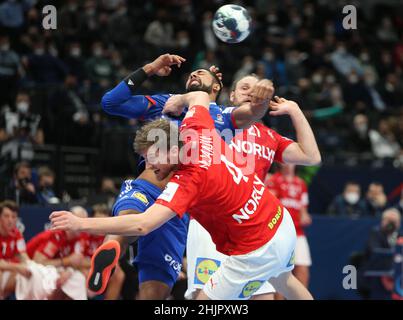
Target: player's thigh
202	258
153	290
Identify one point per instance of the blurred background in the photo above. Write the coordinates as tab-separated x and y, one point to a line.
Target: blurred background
58	148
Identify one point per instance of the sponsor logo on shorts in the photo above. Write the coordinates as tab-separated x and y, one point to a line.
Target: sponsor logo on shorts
250	288
292	260
205	269
140	196
173	263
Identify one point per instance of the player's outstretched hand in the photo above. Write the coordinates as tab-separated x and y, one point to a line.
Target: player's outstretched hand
280	106
174	105
162	65
65	220
216	70
262	92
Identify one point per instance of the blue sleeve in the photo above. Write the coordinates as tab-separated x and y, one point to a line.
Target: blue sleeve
228	118
130	199
120	102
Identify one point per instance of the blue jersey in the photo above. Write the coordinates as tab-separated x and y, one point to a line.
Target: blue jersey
119	101
159	253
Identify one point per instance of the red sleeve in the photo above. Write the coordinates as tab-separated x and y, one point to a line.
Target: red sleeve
197	117
181	192
283	143
50	247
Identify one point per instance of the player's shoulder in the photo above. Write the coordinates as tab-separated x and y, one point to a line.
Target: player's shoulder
135	189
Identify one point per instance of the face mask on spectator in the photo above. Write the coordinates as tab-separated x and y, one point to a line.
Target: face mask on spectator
75	52
5	47
268	56
183	42
39	51
352	197
97	52
317	78
353	78
22	107
362	127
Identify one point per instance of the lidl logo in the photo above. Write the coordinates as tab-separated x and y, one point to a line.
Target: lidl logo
204	269
250	288
140	196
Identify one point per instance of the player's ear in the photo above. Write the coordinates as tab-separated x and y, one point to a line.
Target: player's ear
232	96
216	87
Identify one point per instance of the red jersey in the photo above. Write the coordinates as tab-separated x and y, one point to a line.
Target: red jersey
90	243
237	210
259	146
11	246
53	244
292	194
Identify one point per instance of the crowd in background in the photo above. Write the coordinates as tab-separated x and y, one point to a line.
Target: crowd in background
348	82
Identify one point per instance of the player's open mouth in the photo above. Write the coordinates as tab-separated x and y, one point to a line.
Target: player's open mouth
194	81
157	171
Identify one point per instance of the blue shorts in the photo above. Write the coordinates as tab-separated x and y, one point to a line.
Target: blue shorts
160	253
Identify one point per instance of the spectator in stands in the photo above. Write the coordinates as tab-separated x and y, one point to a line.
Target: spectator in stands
349	203
75	61
46	193
20	128
274	67
106	194
383	141
12	14
10	71
359	138
13	255
67	106
160	32
379	254
42	67
376	200
70	19
99	68
118	25
21	188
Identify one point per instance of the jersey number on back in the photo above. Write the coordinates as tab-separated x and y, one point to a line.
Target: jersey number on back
234	170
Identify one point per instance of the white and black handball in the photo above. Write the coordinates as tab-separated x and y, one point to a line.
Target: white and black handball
232	23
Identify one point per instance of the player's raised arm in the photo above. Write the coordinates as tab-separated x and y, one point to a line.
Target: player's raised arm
127	225
176	104
123	101
249	112
305	151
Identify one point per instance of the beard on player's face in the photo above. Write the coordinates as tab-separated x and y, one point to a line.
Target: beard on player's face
200	87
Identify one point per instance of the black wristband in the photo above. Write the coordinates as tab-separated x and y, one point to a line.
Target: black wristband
136	79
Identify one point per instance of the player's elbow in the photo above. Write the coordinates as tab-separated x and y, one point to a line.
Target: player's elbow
315	160
142	229
107	103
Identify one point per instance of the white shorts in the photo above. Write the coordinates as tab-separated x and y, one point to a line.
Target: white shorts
245	275
4	277
43	280
302	252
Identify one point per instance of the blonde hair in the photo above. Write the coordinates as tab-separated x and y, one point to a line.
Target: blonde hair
142	140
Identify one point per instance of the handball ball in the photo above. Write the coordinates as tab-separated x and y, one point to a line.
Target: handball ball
232	23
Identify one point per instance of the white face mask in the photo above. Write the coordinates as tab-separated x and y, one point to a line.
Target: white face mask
39	51
352	197
5	47
22	107
97	52
75	52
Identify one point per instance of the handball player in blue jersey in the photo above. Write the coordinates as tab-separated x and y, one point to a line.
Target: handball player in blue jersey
160	253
